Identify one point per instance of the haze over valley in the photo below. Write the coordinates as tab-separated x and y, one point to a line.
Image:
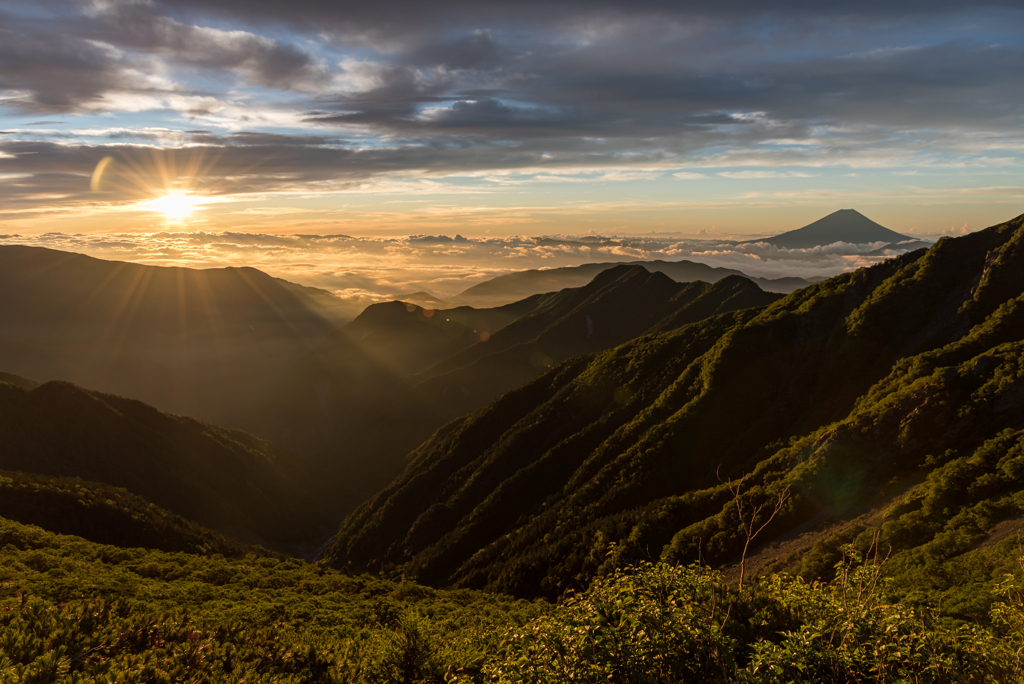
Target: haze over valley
370	269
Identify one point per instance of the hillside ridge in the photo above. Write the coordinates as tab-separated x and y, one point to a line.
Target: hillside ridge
834	386
231	481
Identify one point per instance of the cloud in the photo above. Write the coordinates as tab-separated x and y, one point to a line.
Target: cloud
477	51
255	58
407	17
610	70
120	51
748	175
381	268
61	73
310	97
962	230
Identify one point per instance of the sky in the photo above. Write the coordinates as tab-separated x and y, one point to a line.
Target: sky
379	124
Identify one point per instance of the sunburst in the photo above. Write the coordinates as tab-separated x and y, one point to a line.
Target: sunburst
175	206
165	183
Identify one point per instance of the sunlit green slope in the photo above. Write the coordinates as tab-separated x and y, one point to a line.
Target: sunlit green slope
72	610
847	392
379	386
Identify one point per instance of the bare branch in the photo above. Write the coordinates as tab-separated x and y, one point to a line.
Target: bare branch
747	522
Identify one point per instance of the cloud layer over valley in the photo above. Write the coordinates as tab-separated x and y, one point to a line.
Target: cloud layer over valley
385	267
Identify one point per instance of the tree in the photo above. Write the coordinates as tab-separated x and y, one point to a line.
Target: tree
748	514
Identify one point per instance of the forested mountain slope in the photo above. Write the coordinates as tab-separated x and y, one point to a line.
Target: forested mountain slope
198	342
618	305
520	284
843	392
350	404
354	403
228	480
106	515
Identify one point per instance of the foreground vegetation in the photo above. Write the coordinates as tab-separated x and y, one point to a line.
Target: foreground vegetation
74	610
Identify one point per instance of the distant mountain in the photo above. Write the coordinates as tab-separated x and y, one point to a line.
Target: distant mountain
619	304
845	394
191	341
241	486
407	338
350	404
382	384
521	284
423	299
18	381
845	225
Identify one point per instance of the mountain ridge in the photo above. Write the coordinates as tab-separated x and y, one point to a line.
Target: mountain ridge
527	495
107	515
231	481
520	284
190	341
619	304
357	399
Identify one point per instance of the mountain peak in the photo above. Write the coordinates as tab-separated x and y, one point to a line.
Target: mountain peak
421	296
616	272
844	225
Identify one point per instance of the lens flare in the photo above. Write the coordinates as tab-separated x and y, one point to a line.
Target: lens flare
97	174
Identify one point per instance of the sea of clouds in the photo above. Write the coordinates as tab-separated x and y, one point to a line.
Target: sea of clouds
380	268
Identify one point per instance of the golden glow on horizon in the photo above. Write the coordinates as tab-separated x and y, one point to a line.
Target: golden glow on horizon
163	183
148	190
175	206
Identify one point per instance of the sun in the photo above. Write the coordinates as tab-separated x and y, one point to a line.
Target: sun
175	206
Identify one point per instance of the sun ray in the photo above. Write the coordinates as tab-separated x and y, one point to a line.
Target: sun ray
175	206
171	182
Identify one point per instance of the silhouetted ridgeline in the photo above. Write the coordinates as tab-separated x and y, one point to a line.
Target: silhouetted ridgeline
521	284
225	479
846	392
356	403
239	348
107	515
846	225
198	342
618	305
350	404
